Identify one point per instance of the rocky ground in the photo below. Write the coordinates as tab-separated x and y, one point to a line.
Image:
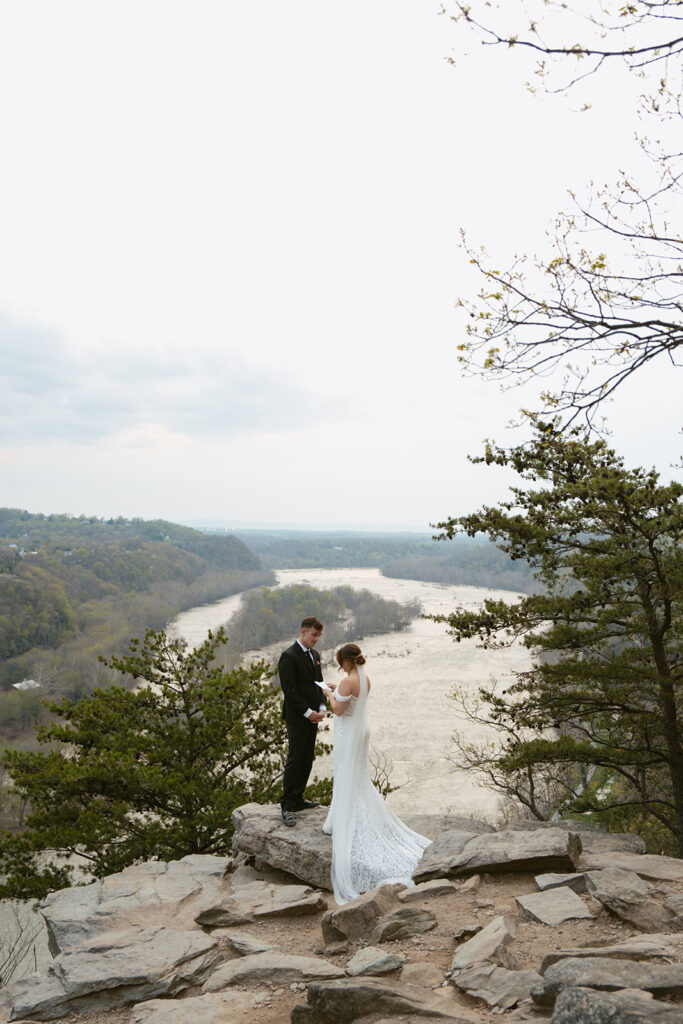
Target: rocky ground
563	923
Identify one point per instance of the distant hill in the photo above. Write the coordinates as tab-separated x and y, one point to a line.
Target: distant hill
475	561
73	587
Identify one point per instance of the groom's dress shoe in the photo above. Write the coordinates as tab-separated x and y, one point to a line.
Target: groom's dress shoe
307	805
288	818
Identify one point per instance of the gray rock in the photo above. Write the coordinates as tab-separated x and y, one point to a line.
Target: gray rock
594	838
403	923
638	947
495	985
432	825
586	1006
240	942
373	961
274	968
575	882
345	1001
114	970
608	974
424	974
305	851
356	919
154	893
262	899
648	865
553	906
489	944
441	858
552	849
674	906
211	1008
471	885
629	897
467	931
436	887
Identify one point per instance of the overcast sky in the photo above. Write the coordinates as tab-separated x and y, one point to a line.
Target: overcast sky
229	259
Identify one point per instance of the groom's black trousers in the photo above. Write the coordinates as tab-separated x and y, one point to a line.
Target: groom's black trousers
301	735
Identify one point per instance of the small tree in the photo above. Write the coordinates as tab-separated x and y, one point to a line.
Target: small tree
605	689
150	773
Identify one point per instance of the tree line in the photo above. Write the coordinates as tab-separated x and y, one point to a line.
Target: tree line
271	615
73	589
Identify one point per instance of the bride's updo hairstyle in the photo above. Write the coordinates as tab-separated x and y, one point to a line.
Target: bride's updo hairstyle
352	653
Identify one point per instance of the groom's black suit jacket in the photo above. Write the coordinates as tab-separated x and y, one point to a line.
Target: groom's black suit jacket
298	677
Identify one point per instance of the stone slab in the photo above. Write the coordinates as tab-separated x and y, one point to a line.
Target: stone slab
488	944
271	968
543	850
652	866
608	974
372	960
553	906
496	986
628	1006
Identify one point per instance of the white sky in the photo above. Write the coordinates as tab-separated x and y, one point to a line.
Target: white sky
229	260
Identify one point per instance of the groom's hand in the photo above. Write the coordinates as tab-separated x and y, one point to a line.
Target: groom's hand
316	717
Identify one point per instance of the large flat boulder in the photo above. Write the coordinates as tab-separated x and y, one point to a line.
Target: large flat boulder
652	866
607	975
538	850
273	969
111	971
169	894
594	838
637	947
442	858
305	851
252	898
212	1008
353	998
586	1006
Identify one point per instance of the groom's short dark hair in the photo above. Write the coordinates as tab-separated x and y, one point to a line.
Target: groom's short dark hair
311	623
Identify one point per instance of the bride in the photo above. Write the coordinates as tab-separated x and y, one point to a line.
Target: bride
370	845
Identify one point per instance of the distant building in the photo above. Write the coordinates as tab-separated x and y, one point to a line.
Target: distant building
27	684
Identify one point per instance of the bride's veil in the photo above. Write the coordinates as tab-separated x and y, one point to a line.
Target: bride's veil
347	785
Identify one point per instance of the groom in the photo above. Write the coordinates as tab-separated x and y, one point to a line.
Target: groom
304	706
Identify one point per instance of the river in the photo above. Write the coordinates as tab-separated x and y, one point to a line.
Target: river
413	673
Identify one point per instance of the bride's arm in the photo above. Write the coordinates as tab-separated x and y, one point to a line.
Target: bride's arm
339	699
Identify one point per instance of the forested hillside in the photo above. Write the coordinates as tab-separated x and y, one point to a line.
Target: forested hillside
415	556
73	588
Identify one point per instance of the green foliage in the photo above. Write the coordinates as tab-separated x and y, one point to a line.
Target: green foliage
34	610
271	615
151	773
605	687
73	587
477	564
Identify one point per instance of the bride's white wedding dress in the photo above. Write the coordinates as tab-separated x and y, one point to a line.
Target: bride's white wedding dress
370	845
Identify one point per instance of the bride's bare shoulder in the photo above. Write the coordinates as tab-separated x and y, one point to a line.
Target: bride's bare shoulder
349	685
